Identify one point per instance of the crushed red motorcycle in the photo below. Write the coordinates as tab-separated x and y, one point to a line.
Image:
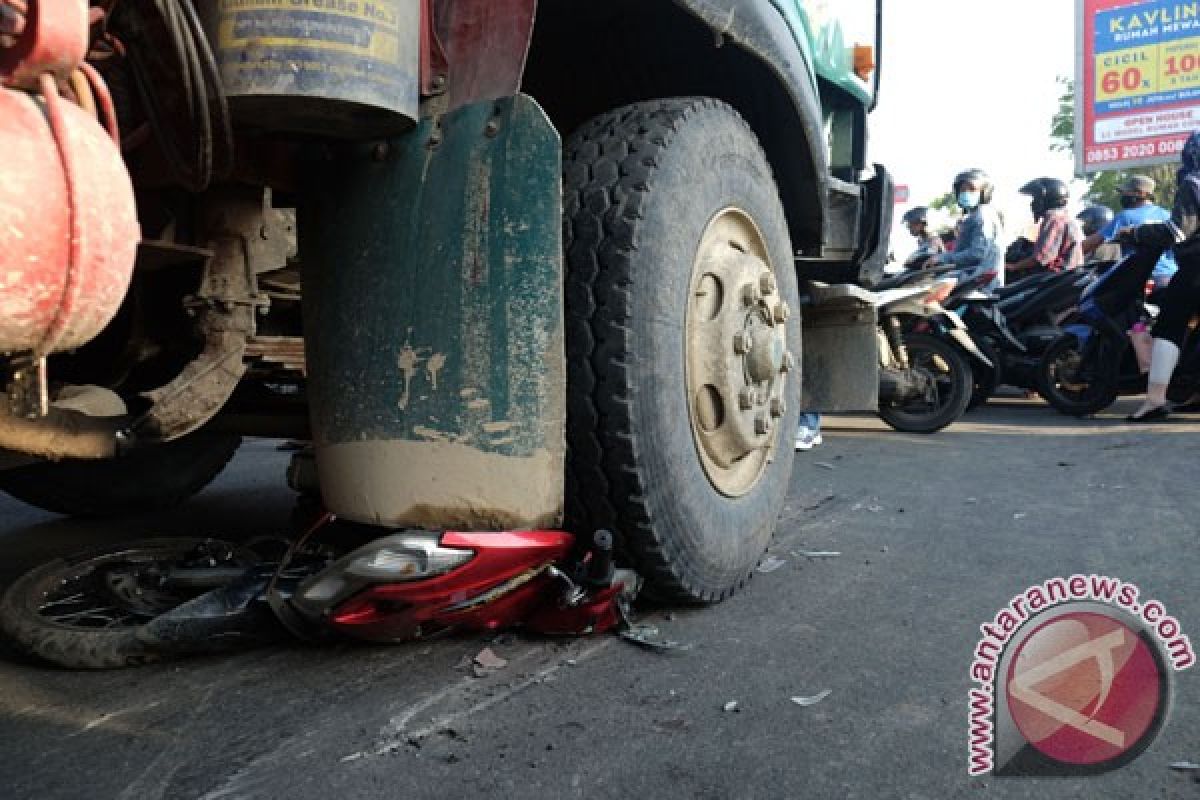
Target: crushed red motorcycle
138	602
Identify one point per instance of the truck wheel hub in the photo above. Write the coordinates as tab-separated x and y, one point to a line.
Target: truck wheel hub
737	356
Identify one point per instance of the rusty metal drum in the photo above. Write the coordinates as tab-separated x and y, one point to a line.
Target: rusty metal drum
336	68
68	226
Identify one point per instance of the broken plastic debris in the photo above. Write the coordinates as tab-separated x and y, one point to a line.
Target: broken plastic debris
814	505
647	636
732	705
812	701
487	660
770	564
823	465
972	501
1020	515
816	553
1185	766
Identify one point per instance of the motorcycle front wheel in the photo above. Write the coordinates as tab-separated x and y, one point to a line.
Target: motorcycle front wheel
91	611
953	382
1076	380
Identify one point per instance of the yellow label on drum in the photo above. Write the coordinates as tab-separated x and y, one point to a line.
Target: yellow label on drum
325	51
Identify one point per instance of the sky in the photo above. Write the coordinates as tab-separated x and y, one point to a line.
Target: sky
971	83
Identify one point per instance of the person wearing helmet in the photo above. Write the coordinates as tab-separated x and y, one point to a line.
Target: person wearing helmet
1137	208
1181	300
928	243
1093	220
1059	243
977	247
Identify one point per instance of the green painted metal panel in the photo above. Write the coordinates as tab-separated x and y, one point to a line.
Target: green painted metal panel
433	322
819	29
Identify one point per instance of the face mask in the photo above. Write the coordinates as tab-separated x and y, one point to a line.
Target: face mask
968	200
1130	201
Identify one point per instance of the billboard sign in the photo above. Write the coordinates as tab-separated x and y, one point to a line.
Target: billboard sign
1137	86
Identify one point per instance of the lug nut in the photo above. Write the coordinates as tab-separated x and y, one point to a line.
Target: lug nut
789	363
778	407
766	283
746	398
743	342
762	425
750	294
781	312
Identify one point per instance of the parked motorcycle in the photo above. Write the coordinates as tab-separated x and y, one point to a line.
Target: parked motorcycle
925	375
1094	361
135	603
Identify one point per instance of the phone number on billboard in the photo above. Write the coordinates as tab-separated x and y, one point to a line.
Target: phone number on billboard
1125	152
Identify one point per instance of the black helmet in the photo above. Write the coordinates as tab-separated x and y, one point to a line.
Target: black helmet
913	215
1094	219
979	176
1047	193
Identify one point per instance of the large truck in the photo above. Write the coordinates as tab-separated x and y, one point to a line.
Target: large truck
507	264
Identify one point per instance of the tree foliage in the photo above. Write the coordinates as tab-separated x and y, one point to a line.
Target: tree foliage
947	202
1102	186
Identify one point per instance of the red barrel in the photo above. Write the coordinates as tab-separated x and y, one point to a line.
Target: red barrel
68	226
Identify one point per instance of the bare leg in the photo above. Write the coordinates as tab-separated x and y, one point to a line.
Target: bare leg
1162	363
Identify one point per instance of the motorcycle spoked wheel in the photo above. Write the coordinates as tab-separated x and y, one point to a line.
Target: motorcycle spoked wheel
952	379
90	611
1076	380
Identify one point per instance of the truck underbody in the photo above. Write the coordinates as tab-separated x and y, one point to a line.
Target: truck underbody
506	265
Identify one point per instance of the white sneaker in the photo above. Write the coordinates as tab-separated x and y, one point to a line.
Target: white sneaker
807	439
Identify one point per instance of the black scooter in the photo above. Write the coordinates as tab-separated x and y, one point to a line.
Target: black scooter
1014	326
1094	361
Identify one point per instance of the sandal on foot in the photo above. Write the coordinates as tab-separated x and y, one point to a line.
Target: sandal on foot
1153	415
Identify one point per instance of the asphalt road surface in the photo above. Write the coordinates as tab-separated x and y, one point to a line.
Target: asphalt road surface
935	535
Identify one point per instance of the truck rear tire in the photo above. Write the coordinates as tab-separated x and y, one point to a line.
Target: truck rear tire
678	291
150	479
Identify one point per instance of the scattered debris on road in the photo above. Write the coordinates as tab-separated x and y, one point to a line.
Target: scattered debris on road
770	564
729	707
487	662
647	636
1185	766
824	465
816	553
820	501
814	699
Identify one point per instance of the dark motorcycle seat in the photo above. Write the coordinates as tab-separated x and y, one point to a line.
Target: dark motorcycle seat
1055	292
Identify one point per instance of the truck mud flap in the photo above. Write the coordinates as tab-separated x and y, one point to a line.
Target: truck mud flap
433	322
841	349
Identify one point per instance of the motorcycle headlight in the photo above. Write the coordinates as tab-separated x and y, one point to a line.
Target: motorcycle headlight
399	558
406	557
